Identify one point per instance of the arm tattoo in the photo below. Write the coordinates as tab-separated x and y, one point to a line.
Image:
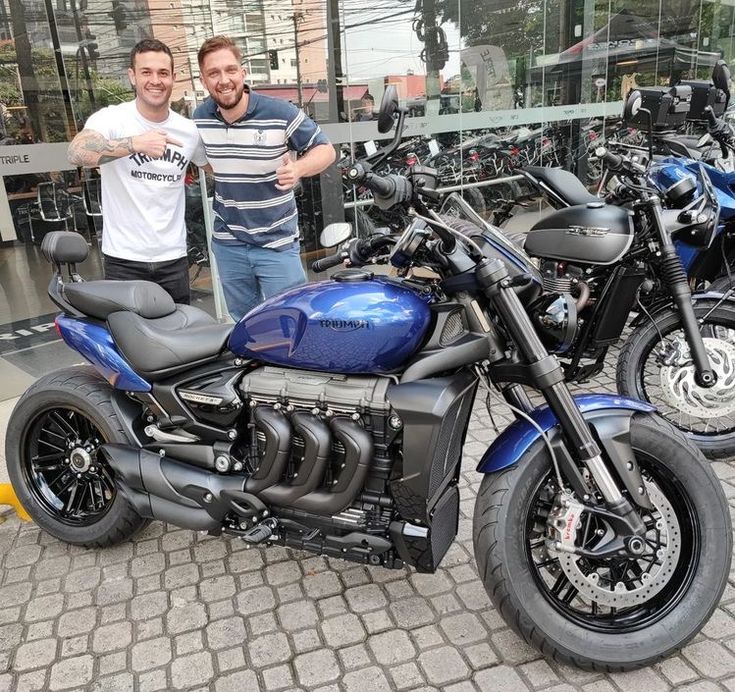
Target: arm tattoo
90	148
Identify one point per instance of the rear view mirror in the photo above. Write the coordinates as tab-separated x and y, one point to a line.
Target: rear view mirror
334	234
632	104
388	108
721	79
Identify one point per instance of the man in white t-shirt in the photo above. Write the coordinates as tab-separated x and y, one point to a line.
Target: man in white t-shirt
143	149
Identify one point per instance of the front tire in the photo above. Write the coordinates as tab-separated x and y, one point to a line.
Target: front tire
51	451
509	523
705	416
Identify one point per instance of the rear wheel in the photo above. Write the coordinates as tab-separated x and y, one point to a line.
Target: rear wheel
616	613
655	365
51	448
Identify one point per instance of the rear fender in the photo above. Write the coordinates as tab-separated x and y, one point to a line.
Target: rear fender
609	415
95	343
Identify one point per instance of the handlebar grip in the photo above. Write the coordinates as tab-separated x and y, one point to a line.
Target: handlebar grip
384	187
325	263
612	161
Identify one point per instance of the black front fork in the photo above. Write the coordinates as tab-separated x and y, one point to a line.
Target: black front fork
675	277
548	374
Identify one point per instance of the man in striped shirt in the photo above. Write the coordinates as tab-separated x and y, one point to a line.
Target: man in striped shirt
248	138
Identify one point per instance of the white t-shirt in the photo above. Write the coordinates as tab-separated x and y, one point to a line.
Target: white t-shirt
143	199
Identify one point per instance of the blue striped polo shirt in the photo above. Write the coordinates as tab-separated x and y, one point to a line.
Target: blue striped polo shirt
244	156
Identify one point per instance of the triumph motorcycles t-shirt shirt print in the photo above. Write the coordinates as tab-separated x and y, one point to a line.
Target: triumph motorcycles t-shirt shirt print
143	199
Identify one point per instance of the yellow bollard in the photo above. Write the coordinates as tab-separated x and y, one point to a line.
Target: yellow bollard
8	497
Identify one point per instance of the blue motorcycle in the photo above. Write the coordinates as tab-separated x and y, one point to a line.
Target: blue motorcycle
332	419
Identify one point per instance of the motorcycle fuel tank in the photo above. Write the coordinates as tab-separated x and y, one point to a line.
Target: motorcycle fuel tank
352	324
594	233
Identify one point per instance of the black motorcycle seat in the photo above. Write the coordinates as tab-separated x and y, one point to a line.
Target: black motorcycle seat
565	184
101	298
159	347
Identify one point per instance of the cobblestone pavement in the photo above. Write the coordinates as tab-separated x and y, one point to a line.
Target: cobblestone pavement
176	610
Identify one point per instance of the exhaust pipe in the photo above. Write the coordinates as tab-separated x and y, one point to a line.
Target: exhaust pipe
171	491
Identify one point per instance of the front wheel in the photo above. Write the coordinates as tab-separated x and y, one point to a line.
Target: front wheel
616	613
51	448
655	365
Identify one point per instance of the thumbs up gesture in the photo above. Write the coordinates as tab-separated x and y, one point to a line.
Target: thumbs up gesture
288	173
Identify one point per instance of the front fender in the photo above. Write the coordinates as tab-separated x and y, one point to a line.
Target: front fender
514	442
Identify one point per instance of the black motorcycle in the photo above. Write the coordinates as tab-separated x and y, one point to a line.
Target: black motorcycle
332	419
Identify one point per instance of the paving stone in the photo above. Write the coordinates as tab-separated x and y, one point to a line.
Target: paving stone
155	680
500	678
316	667
71	672
297	616
269	649
220	610
217	588
181	575
411	612
366	680
74	646
10	636
426	637
193	669
15	594
123	682
442	666
112	637
390	648
406	676
185	617
512	648
242	681
644	679
431	584
36	654
149	605
230	659
464	628
188	642
148	564
342	630
481	655
151	654
112	663
710	658
676	671
362	599
260	624
224	634
82	579
40	630
306	640
114	591
24	555
289	592
354	657
149	629
113	613
255	600
283	573
322	585
277	678
35	680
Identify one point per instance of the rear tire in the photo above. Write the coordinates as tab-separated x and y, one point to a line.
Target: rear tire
51	452
506	526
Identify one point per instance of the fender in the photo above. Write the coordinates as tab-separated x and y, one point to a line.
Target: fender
95	343
515	440
662	305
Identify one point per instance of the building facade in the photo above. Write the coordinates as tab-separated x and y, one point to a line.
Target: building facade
544	77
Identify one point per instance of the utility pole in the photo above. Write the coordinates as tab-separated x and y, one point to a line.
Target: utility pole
335	76
71	126
82	53
298	17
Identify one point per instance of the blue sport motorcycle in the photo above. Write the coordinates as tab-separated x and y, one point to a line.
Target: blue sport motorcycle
332	419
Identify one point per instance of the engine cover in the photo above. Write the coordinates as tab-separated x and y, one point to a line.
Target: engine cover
587	234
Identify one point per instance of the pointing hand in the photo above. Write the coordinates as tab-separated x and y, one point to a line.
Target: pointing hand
153	143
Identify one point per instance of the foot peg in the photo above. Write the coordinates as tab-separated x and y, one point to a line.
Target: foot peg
261	532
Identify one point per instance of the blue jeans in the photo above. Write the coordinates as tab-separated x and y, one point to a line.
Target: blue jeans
250	274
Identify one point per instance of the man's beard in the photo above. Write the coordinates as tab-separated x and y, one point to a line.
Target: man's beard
232	101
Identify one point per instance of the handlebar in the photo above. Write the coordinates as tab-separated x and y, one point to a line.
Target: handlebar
329	261
711	118
719	131
612	161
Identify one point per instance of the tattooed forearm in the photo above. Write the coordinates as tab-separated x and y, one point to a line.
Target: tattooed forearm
90	148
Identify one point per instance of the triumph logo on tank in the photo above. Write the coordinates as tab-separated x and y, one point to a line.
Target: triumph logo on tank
344	325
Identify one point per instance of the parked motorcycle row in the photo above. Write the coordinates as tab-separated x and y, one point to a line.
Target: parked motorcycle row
332	417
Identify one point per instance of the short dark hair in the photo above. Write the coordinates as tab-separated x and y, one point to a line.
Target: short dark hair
150	45
218	43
